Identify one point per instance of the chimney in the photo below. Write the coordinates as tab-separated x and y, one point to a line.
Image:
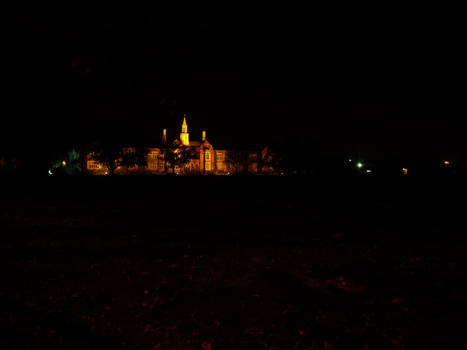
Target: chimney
164	136
203	138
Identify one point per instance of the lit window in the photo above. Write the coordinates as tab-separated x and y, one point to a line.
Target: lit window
153	155
207	160
92	164
220	156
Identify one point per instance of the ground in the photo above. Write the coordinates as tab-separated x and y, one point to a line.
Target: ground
248	263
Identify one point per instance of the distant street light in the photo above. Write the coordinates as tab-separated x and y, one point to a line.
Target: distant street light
360	165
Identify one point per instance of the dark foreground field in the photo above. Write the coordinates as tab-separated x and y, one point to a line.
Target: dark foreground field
232	263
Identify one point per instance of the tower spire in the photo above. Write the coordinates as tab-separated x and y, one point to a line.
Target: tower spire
184	125
184	136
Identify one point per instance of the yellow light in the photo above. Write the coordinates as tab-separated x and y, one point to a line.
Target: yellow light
404	171
63	163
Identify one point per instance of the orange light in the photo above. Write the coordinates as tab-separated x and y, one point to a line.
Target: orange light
447	162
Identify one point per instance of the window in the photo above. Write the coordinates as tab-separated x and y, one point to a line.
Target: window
92	164
220	156
153	155
207	160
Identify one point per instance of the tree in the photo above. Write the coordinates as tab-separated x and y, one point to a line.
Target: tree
292	156
72	160
134	156
271	158
112	156
177	155
13	161
68	163
109	156
236	161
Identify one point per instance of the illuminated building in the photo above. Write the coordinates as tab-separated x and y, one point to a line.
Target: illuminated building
205	160
184	135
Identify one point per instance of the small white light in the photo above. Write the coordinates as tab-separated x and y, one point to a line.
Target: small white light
359	165
368	171
50	172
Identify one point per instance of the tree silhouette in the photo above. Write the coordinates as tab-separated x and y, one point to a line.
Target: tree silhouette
134	156
112	156
177	155
271	158
67	163
236	161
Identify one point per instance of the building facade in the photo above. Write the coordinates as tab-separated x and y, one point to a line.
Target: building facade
204	159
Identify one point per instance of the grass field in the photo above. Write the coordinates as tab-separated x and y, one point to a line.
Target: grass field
232	263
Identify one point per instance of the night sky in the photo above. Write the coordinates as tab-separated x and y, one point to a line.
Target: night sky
383	81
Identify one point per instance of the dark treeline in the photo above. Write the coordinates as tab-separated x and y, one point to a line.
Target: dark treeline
286	158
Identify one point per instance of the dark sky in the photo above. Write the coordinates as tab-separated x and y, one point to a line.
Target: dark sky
386	81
